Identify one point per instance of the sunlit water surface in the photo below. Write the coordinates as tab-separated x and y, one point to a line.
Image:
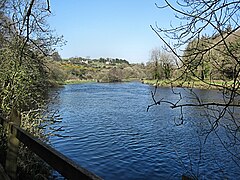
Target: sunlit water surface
112	134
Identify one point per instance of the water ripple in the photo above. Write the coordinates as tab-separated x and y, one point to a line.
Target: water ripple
112	135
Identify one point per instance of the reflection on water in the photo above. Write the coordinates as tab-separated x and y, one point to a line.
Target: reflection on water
112	134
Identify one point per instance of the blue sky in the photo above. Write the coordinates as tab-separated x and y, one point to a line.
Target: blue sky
108	28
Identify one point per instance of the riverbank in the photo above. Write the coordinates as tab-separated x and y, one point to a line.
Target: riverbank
80	81
188	84
163	83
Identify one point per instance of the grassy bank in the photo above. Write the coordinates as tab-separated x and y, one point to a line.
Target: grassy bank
189	84
166	83
79	81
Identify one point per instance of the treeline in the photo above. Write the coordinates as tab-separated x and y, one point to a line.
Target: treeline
208	59
160	66
213	58
82	60
100	70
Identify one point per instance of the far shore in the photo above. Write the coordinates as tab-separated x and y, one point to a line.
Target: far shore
80	81
162	83
214	84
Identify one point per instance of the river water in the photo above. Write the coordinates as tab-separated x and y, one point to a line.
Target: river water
111	134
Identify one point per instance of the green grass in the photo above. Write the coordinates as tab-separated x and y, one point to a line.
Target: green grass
78	81
189	84
130	80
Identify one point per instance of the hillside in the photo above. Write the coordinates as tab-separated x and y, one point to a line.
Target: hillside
213	58
99	70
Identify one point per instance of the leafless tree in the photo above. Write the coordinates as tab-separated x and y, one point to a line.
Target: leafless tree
161	63
205	39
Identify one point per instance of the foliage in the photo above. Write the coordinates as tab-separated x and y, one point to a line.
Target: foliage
101	70
114	70
25	78
213	64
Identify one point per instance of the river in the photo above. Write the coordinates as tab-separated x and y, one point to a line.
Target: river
112	134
